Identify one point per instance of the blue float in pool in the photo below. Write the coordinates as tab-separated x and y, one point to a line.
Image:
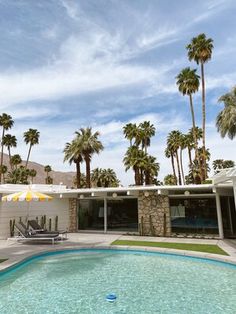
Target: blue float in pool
111	297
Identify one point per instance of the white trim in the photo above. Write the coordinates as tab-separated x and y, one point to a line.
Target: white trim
219	216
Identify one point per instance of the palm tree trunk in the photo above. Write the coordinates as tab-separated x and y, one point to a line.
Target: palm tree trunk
147	178
9	154
145	145
203	121
178	166
173	167
78	174
141	176
87	162
181	165
136	176
27	160
3	131
190	157
194	127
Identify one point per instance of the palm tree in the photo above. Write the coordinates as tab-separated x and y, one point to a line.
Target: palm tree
96	177
47	169
226	119
3	170
18	176
132	160
31	137
200	50
151	169
130	132
73	153
188	84
220	164
89	145
15	160
6	123
183	145
9	141
173	142
147	130
190	145
204	157
32	174
169	179
169	153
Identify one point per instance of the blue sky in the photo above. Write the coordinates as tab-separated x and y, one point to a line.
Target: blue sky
66	64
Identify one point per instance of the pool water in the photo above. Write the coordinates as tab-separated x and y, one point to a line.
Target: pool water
78	282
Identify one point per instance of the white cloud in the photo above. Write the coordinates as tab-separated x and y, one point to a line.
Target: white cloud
71	8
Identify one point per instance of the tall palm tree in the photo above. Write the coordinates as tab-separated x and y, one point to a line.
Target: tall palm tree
226	119
9	141
183	145
204	157
47	169
31	137
200	50
190	145
73	153
90	144
6	123
147	130
188	84
169	153
173	142
15	161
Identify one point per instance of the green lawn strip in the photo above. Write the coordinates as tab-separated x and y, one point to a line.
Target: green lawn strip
3	260
206	248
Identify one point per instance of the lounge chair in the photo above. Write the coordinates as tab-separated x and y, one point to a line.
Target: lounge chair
28	236
37	228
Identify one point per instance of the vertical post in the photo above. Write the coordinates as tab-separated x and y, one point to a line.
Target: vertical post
219	216
105	215
234	188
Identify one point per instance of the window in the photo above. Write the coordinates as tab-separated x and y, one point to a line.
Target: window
194	215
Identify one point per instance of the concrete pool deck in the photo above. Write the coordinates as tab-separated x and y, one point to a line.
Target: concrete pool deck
15	252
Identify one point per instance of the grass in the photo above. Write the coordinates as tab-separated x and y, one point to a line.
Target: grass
206	248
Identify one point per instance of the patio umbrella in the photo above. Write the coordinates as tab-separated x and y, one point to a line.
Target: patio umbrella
27	196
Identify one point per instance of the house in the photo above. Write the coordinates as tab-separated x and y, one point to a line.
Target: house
191	210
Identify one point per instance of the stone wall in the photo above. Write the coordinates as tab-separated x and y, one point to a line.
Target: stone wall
73	216
154	214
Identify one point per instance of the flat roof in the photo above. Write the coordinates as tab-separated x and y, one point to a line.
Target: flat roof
59	189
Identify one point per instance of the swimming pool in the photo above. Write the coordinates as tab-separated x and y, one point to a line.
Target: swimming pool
78	281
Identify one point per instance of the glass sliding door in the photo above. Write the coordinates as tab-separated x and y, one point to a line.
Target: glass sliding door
194	215
91	214
122	214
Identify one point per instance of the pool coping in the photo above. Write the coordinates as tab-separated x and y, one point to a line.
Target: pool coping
11	263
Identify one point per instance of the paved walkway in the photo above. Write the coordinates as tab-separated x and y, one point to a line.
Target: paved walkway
16	252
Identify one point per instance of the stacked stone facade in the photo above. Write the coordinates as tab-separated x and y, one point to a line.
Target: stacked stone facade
73	216
154	214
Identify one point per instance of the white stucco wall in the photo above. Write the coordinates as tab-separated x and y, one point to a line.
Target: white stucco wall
14	210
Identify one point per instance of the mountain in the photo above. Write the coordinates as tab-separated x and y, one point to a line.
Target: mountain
58	176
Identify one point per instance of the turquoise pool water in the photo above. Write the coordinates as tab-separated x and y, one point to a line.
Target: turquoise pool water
78	282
